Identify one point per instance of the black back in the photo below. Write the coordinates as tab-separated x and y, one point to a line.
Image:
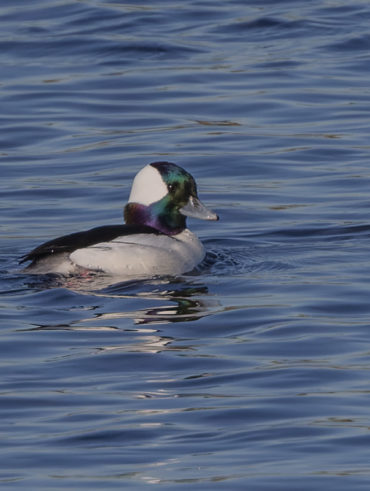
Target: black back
78	240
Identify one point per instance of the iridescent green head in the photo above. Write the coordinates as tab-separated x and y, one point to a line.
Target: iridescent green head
162	196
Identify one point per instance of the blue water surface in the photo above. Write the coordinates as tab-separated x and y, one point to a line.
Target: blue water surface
251	372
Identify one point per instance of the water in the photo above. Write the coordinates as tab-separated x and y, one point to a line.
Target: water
252	371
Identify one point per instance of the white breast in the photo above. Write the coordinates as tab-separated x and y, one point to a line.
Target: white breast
143	255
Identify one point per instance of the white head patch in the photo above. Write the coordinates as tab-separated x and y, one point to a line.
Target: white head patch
148	187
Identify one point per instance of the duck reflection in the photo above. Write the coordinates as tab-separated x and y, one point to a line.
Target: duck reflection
182	310
177	302
180	299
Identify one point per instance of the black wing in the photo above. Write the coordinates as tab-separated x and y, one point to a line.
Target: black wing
78	240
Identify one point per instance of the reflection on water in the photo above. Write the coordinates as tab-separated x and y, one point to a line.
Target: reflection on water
179	300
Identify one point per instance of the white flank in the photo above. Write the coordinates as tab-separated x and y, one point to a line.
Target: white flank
142	255
148	187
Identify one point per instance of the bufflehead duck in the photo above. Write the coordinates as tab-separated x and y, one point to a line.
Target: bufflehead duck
153	241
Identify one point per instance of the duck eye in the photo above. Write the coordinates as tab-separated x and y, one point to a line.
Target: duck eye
172	187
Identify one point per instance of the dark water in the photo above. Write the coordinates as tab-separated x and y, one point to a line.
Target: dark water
252	372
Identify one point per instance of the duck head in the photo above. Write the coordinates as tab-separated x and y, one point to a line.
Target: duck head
162	196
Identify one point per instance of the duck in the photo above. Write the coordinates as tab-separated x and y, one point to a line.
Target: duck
153	241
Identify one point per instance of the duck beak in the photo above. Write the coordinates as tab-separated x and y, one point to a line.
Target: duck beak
196	209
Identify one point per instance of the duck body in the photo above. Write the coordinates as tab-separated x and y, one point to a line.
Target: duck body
154	241
140	254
